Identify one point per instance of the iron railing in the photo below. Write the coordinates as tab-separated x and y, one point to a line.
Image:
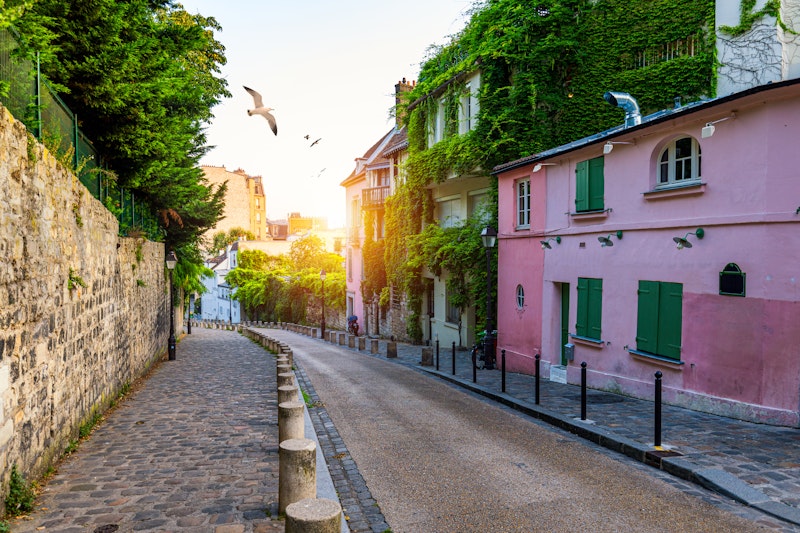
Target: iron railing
30	99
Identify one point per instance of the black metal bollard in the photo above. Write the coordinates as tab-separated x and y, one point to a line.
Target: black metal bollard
536	381
454	358
437	355
503	370
583	390
657	401
474	367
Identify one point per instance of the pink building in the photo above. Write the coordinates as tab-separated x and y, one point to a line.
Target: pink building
669	244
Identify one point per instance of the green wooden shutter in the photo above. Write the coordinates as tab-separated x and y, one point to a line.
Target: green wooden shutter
596	184
647	319
670	314
582	186
595	312
582	321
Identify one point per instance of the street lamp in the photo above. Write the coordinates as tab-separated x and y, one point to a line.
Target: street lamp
322	277
489	238
172	260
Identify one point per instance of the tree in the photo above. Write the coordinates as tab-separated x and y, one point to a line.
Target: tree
142	77
222	240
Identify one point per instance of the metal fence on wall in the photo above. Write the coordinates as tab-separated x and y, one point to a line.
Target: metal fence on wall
29	98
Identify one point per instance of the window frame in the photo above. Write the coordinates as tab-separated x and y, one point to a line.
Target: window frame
520	296
694	159
523	211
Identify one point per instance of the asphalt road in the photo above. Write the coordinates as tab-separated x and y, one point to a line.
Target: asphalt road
439	460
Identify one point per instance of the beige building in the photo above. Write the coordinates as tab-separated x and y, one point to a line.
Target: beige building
245	204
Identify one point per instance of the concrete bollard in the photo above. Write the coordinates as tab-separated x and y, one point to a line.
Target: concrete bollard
286	378
282	368
290	356
287	393
351	341
391	350
291	420
362	343
342	338
373	346
297	472
427	357
314	515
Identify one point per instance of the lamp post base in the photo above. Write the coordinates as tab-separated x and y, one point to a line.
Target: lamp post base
171	347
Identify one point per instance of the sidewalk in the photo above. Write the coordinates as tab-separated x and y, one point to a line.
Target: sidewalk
193	447
755	464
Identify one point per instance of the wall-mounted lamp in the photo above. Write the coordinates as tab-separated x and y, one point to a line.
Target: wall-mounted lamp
709	128
610	146
546	244
606	241
683	242
538	166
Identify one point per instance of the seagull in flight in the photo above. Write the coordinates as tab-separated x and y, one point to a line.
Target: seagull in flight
315	142
261	110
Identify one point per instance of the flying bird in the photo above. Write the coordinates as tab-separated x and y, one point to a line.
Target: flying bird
315	142
261	110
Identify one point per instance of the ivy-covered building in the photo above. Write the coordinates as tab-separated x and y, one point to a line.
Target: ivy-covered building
651	246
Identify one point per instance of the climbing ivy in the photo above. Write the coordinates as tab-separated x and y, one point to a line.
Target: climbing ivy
544	67
748	17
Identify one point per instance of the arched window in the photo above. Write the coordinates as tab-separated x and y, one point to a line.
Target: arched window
679	162
520	297
732	280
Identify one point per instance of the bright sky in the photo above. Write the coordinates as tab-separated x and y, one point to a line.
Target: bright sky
328	68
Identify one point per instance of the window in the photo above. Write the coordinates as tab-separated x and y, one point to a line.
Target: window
732	280
590	308
448	213
520	297
658	329
589	189
679	162
477	206
523	203
453	311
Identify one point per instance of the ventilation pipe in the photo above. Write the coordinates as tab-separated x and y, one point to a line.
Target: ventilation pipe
628	103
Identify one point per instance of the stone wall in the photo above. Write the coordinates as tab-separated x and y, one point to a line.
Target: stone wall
65	352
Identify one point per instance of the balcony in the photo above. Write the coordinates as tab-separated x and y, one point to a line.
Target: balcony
374	197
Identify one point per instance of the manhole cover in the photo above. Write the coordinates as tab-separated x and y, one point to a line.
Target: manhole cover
108	528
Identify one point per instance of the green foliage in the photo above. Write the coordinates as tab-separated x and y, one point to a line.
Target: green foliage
544	67
748	17
222	240
21	494
143	77
286	288
140	283
74	280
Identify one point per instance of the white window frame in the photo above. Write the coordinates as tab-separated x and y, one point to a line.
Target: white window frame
523	201
669	163
453	217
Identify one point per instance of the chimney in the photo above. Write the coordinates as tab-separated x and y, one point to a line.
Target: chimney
401	87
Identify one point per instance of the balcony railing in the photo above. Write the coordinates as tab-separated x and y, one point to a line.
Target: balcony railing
374	197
